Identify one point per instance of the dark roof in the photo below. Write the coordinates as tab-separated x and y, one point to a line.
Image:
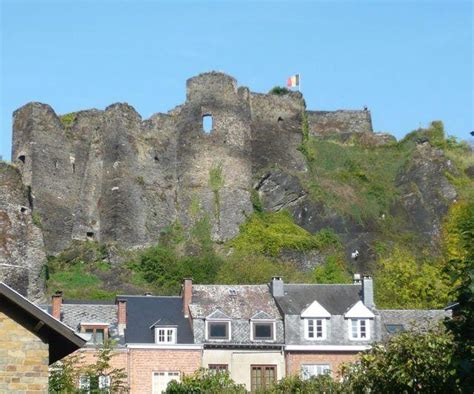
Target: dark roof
61	339
234	301
336	299
413	318
73	315
144	311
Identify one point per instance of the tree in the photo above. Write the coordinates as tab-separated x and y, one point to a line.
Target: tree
205	381
65	374
460	246
409	362
402	282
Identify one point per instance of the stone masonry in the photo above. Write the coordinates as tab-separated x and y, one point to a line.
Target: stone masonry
23	359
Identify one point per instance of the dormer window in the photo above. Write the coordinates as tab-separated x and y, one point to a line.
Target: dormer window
315	329
219	330
263	331
97	333
359	329
165	335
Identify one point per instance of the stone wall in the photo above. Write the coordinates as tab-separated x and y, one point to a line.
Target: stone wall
112	177
21	244
340	121
23	359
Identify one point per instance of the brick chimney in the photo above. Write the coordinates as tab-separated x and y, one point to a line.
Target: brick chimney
187	295
368	291
277	286
56	302
121	315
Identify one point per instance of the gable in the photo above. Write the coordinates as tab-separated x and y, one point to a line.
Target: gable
315	309
262	316
359	310
218	314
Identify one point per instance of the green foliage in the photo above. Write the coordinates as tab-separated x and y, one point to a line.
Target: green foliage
269	233
256	202
205	381
306	148
68	119
140	180
434	134
36	217
409	362
254	268
333	271
401	282
279	91
461	269
317	384
64	374
216	183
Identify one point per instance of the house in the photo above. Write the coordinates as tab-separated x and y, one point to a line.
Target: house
326	325
154	341
241	331
30	340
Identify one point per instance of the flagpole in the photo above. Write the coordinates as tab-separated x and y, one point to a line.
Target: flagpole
299	86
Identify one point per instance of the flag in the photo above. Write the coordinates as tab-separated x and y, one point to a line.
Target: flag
293	81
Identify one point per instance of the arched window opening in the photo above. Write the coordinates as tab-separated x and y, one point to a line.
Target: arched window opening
22	158
90	235
23	210
280	119
207	123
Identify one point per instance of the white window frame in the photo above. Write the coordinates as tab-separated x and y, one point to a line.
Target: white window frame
166	330
358	329
207	330
319	369
314	322
252	328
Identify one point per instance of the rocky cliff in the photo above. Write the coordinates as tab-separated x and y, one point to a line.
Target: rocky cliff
112	177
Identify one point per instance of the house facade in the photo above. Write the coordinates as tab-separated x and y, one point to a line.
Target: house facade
258	333
241	331
30	340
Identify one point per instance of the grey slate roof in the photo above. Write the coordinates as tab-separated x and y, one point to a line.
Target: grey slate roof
242	303
75	314
412	318
336	299
144	311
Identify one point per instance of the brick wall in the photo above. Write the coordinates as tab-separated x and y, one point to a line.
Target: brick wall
146	361
294	360
23	359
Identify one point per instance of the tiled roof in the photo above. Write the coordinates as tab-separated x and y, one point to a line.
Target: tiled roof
144	311
237	301
413	318
75	314
336	299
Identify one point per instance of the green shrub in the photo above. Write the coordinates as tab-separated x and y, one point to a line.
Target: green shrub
279	91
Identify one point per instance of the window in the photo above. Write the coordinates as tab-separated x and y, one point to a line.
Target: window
394	328
315	329
310	370
207	123
97	335
94	383
262	331
165	335
161	380
218	330
262	376
218	367
359	329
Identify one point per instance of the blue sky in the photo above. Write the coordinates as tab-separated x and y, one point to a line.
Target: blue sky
410	62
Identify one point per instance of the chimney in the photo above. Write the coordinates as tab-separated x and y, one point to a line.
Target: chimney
121	316
277	286
187	295
356	280
368	292
57	301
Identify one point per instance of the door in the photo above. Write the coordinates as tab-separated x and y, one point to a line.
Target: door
161	380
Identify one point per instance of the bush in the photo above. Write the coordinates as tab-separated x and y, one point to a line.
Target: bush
316	384
205	381
279	91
